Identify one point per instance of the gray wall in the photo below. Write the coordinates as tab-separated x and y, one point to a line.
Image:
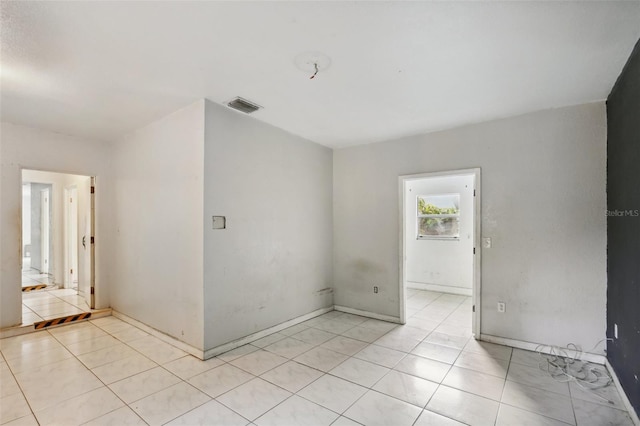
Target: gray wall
543	205
156	220
274	259
36	225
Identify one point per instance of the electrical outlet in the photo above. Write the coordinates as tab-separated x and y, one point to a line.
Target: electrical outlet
375	289
486	242
615	330
502	307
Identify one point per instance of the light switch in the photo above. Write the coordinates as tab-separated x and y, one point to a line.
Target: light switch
219	222
486	242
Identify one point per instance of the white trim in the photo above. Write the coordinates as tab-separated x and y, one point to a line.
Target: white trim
368	314
625	399
95	262
198	353
210	353
528	346
440	288
476	286
403	250
19	330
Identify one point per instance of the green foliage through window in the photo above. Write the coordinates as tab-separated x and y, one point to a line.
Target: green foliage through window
427	208
439	216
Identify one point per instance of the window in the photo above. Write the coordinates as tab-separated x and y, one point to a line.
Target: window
438	216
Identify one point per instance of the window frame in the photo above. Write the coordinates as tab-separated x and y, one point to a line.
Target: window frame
436	216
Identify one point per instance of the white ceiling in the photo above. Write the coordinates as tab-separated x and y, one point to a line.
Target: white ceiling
102	69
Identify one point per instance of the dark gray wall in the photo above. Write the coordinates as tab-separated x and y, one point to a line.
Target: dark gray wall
623	227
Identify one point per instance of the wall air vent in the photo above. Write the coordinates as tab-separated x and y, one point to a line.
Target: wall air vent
243	105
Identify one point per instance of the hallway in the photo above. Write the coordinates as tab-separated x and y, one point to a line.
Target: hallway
48	303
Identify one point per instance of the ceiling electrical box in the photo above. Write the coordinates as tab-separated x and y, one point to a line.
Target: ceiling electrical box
219	222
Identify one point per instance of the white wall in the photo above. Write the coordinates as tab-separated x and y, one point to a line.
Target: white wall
58	183
26	214
435	264
24	147
543	204
273	261
157	224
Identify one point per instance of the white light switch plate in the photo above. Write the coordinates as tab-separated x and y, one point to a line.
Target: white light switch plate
219	222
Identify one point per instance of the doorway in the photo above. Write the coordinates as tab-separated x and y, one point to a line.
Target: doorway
439	247
58	239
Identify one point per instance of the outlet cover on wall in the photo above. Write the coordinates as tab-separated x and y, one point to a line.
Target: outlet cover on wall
486	242
502	307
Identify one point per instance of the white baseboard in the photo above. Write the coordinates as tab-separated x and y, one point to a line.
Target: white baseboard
198	353
367	314
623	395
439	288
18	330
595	358
210	353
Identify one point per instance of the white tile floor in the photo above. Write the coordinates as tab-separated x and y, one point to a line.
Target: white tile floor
49	303
32	276
337	369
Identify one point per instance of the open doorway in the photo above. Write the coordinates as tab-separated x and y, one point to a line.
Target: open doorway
58	245
36	235
440	256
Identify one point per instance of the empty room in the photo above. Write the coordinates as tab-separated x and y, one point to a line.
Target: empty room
320	213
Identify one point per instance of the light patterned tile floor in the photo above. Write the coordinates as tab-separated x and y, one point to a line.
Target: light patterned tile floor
49	303
336	369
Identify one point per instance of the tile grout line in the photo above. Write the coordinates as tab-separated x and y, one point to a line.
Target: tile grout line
105	385
21	392
367	344
158	365
98	378
448	371
450	365
504	385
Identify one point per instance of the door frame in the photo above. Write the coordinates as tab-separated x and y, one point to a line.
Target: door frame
92	245
476	286
86	238
45	231
94	280
70	193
